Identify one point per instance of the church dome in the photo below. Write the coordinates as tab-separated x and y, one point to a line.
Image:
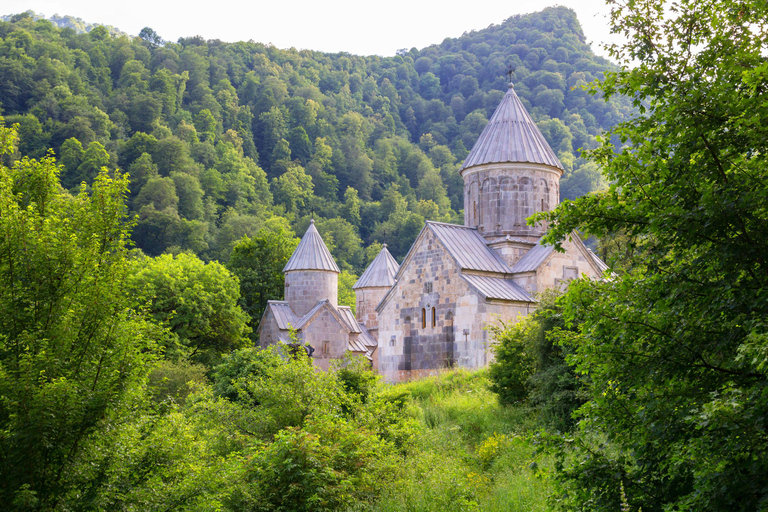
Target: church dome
511	136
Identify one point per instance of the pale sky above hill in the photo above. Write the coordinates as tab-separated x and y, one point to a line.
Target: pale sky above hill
357	27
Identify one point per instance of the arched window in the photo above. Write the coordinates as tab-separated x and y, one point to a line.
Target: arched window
434	321
542	204
423	318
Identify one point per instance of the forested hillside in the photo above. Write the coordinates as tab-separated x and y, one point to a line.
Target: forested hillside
222	140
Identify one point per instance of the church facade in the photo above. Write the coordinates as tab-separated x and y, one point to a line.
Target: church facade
431	312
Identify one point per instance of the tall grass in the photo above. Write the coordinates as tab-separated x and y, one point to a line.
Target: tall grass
472	453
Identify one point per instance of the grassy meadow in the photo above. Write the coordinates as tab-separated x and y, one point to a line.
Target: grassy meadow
471	454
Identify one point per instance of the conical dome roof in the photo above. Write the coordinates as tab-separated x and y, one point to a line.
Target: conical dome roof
311	254
381	271
511	136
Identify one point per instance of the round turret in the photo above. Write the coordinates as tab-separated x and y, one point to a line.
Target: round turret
510	174
375	282
311	274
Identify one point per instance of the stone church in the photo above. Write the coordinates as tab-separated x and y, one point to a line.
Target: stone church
431	312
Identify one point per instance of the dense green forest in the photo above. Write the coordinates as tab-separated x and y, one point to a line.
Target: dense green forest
222	140
134	258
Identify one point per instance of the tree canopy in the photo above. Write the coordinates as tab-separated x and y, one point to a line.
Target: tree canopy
221	138
72	351
675	345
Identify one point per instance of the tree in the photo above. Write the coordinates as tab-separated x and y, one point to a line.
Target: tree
71	156
258	263
71	351
676	347
152	38
293	189
197	301
347	295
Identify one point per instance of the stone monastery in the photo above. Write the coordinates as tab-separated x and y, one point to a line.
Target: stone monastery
431	311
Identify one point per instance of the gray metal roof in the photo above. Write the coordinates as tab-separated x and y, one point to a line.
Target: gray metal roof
511	136
366	337
599	262
532	259
345	312
497	288
311	254
468	248
381	271
284	315
356	345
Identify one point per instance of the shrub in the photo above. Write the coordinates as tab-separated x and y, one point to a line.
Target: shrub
532	365
514	362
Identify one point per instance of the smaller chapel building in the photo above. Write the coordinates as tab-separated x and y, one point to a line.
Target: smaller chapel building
311	307
432	311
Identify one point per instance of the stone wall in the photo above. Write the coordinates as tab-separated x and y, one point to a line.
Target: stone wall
562	267
366	300
510	251
430	280
268	330
498	198
557	270
305	288
409	347
327	336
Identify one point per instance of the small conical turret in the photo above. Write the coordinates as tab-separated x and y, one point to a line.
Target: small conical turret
375	282
381	271
311	274
311	254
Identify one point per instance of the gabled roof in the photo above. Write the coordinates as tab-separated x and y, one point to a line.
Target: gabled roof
345	312
464	245
342	314
284	315
355	345
498	288
539	254
597	264
533	259
600	263
511	136
311	254
312	312
381	271
468	248
366	337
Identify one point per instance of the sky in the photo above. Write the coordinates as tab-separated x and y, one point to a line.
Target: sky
358	27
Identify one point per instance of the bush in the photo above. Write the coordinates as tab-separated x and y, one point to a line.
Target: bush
532	366
171	380
328	465
514	362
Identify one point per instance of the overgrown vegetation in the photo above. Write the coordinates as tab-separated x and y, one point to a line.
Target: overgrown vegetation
471	453
675	344
120	388
531	365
